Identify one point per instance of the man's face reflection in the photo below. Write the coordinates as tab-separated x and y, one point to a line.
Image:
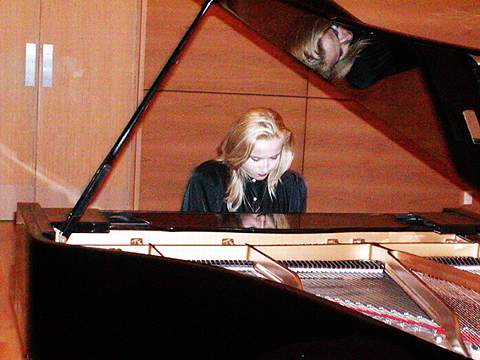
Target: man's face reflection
257	221
335	42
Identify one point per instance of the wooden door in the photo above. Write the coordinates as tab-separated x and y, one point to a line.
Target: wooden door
92	96
17	104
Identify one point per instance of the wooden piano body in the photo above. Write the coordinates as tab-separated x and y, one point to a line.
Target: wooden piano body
174	286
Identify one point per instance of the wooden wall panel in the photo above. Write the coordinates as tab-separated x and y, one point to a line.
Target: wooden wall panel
94	93
355	158
451	21
224	55
319	88
183	130
351	166
10	342
18	106
401	108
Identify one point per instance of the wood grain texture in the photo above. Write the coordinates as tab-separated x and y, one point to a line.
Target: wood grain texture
184	129
401	108
10	344
94	94
450	21
18	105
223	56
409	145
351	166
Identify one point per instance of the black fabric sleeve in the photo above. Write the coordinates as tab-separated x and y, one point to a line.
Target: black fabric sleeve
381	58
298	195
205	189
195	197
295	191
374	63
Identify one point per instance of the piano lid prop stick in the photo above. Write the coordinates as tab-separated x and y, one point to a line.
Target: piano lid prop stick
106	165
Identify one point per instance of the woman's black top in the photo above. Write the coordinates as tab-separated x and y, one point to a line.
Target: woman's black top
206	192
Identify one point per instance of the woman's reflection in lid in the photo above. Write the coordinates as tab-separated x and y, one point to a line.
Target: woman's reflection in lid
324	46
264	221
361	56
255	221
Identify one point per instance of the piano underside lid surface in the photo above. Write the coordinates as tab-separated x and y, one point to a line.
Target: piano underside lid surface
454	24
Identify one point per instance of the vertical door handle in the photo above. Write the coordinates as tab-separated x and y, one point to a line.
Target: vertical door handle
47	65
30	63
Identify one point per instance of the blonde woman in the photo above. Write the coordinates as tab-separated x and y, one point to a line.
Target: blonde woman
251	174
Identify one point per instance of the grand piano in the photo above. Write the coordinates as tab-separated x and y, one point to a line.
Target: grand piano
131	284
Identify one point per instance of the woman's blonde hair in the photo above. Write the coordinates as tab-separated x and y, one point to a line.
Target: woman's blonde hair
305	46
236	148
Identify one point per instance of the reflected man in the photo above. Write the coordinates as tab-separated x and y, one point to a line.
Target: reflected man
335	51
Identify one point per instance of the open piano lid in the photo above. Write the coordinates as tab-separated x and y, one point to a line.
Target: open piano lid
449	67
450	70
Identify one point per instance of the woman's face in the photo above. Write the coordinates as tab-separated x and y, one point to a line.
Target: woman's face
264	158
335	42
257	221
